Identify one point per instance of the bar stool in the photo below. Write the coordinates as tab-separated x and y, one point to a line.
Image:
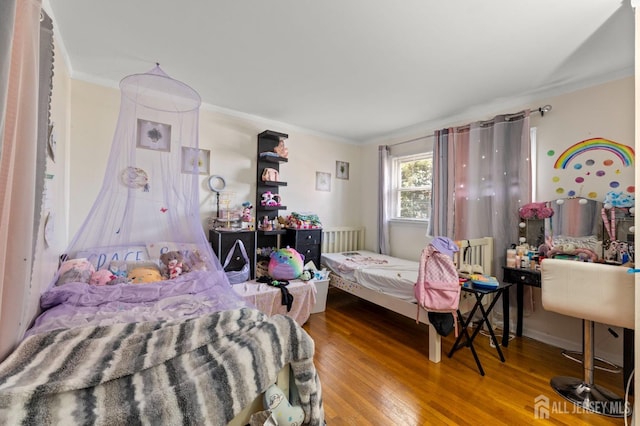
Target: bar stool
594	292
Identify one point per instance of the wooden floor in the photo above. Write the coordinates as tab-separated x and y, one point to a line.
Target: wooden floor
374	370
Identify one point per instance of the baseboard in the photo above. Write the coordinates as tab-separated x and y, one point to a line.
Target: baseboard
571	345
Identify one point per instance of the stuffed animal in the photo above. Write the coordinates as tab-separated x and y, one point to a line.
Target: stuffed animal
270	199
119	269
306	275
174	262
144	274
102	277
246	212
75	270
281	409
285	264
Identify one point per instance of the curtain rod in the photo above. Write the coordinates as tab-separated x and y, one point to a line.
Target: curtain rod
542	110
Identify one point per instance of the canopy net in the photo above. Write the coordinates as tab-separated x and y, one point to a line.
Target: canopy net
148	204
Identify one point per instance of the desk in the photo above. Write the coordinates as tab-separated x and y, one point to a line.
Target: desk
502	291
268	299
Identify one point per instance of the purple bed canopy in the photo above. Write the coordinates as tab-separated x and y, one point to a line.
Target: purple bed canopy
149	200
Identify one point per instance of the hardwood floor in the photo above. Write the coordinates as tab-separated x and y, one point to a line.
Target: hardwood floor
374	370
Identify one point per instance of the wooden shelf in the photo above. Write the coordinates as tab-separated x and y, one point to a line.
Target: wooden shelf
273	159
271	183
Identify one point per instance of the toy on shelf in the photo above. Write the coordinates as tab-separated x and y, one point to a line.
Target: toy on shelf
266	225
270	174
270	199
281	150
246	212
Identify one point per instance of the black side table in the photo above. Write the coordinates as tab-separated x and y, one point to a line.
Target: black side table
521	277
502	291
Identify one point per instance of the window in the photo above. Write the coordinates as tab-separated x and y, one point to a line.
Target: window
412	177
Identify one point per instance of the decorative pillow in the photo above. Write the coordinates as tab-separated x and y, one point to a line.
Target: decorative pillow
100	257
75	270
154	250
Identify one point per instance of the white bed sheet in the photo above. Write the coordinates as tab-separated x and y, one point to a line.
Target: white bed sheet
385	274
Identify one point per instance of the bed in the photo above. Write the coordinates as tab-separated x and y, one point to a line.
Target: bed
186	350
388	281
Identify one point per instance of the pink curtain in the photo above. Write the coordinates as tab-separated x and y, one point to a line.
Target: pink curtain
482	175
17	173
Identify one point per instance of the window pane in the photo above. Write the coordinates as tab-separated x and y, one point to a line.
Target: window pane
415	204
415	173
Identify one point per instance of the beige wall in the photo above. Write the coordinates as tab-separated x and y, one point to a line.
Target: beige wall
233	145
607	111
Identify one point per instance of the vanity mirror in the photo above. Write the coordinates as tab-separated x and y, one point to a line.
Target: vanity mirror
579	227
575	217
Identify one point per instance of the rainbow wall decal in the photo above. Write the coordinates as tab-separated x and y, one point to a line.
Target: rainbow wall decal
623	152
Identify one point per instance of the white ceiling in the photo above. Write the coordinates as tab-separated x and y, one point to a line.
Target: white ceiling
354	70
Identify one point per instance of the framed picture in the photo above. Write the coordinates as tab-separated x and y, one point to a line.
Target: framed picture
195	161
153	135
323	181
342	170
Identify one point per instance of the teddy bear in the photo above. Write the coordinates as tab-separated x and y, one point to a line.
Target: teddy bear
174	262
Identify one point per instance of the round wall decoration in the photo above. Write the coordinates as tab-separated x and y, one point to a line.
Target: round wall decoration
134	178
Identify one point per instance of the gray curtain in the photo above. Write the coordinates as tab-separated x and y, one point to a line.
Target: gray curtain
488	176
441	223
384	187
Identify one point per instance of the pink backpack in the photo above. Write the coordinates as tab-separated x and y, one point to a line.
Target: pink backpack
438	288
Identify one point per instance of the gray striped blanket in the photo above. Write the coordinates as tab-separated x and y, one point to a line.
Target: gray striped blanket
201	371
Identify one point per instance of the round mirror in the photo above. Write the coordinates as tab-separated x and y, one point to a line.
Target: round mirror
216	183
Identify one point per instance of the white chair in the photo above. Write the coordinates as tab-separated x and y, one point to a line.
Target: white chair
594	292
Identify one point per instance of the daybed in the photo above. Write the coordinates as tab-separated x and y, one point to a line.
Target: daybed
388	281
180	351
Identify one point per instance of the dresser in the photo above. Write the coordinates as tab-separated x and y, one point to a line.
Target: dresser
307	242
521	277
223	241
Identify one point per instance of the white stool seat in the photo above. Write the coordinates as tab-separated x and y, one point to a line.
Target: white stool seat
593	292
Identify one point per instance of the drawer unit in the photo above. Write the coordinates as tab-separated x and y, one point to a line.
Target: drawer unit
222	241
522	276
307	242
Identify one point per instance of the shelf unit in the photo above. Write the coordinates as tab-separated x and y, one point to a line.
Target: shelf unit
267	141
